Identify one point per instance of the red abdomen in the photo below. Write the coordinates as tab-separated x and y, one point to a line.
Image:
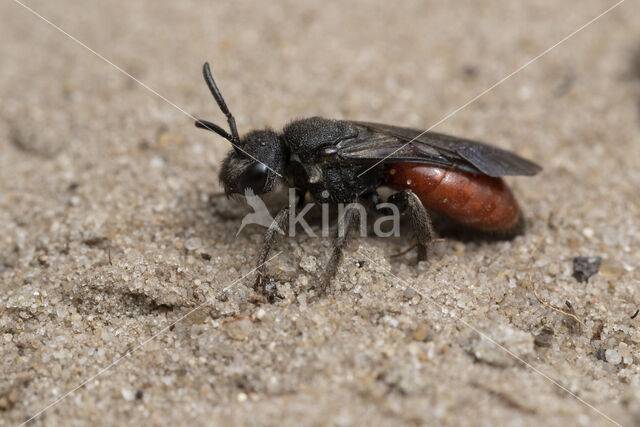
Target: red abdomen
475	200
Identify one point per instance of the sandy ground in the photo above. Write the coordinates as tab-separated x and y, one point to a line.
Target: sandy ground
108	234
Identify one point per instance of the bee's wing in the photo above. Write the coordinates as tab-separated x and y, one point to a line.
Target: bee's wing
394	144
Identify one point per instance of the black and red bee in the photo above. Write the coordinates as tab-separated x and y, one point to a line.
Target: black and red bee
342	161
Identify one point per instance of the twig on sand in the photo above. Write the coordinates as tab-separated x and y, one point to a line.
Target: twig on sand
535	291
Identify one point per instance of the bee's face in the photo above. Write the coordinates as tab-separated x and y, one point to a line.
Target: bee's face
258	166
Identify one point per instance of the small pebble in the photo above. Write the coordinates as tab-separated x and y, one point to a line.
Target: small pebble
588	232
127	394
239	330
193	243
409	293
612	357
612	268
585	267
543	337
553	269
422	332
260	313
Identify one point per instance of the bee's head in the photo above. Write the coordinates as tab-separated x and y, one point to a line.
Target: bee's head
257	161
257	165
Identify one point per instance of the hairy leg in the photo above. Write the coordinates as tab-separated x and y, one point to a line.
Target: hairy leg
408	202
271	237
346	223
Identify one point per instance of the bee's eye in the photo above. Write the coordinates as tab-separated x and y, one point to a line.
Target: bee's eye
255	178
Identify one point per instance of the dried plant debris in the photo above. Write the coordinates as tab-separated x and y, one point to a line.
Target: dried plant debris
585	267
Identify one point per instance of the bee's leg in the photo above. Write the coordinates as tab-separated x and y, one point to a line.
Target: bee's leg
301	196
407	201
271	237
346	223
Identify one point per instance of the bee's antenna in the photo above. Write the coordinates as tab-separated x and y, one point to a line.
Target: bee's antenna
203	124
234	138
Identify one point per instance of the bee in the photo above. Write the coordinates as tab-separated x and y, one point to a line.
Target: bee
344	161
